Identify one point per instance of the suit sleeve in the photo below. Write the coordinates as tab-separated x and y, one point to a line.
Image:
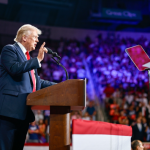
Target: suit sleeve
9	59
45	83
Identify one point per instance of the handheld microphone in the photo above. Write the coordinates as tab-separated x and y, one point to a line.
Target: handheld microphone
54	54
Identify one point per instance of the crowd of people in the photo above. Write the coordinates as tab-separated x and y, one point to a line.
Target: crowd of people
129	107
119	84
38	131
110	63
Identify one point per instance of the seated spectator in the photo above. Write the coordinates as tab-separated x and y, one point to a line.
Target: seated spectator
86	116
42	129
33	133
113	106
91	110
38	116
115	116
122	118
137	145
75	115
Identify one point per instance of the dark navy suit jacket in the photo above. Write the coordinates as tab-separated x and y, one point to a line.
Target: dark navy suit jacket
16	82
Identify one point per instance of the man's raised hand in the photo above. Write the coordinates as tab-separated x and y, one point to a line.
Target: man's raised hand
41	52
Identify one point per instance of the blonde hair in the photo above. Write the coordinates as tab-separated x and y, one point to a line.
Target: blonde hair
24	30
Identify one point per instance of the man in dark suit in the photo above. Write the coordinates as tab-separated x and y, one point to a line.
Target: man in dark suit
138	130
18	78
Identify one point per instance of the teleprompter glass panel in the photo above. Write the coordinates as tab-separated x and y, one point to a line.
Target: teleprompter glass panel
138	56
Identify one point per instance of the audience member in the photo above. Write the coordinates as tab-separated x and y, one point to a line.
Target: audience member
138	130
38	116
33	133
137	145
122	117
91	110
42	130
109	90
86	116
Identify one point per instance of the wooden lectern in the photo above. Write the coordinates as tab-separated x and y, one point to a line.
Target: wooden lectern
60	98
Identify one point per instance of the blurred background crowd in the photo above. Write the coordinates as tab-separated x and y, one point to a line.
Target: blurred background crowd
121	89
91	37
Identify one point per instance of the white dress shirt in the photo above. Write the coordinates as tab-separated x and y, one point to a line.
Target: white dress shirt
24	51
139	125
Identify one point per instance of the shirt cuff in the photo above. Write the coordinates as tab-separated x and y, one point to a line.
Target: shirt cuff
39	62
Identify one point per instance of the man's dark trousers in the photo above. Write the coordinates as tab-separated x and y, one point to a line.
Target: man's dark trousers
12	133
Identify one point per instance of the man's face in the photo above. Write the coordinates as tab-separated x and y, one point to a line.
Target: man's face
141	147
138	120
31	40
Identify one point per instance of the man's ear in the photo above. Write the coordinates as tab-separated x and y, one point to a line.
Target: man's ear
24	38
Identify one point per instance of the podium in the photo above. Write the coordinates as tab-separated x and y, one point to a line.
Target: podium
60	98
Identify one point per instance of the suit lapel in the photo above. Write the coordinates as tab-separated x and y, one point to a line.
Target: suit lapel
19	50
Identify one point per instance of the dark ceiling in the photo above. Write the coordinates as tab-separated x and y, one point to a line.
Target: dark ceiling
75	13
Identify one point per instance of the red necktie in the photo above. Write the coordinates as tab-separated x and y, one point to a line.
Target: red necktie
32	73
